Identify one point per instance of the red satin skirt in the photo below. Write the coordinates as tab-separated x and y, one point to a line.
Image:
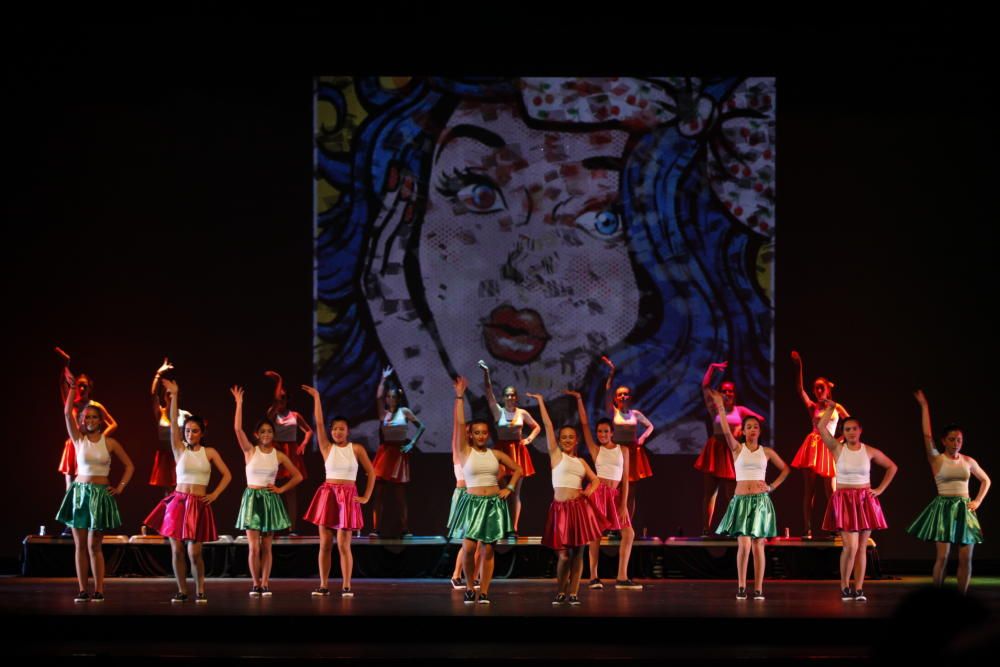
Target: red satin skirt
164	471
290	449
816	456
67	464
391	464
716	458
605	501
638	462
571	523
854	509
521	456
183	516
334	506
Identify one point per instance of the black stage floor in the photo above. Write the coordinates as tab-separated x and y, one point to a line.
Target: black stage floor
403	619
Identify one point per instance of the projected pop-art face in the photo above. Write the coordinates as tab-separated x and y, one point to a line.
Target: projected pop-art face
537	224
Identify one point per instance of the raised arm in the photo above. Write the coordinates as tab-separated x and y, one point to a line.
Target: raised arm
157	404
380	393
609	401
72	429
550	436
879	458
491	397
832	443
321	436
459	439
984	484
241	436
584	424
799	383
720	409
925	425
176	440
112	425
706	384
279	389
223	469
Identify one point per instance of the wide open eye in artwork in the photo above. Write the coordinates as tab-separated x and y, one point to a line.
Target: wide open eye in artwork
537	224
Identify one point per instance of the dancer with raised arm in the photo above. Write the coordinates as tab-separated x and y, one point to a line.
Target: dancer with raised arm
626	421
288	424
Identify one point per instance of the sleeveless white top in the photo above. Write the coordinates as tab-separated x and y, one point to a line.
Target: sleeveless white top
834	419
459	472
953	477
92	458
854	468
394	426
568	473
625	427
750	466
193	467
610	463
341	462
510	427
262	469
481	468
286	427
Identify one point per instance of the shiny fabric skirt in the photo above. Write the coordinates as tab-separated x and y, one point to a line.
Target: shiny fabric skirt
335	506
947	519
854	509
750	515
183	516
89	506
262	509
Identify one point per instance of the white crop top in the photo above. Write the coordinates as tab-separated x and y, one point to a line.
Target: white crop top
854	468
394	426
481	468
92	458
953	477
193	467
286	427
341	462
610	463
834	418
262	469
510	427
625	427
568	473
459	472
750	466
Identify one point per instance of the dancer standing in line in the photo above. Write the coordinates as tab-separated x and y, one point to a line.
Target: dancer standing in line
185	516
392	460
163	474
626	421
571	523
510	421
89	507
80	388
716	461
854	509
287	426
261	511
336	505
486	517
951	517
456	513
612	463
750	515
813	457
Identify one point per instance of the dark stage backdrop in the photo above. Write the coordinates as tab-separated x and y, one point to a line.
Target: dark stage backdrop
158	200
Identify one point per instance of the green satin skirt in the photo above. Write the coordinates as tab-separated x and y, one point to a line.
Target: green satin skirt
456	515
89	506
486	518
749	516
947	519
262	510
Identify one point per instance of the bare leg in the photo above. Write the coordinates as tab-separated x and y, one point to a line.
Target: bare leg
625	552
758	564
562	571
459	562
399	491
484	583
742	559
266	559
942	549
576	570
710	493
253	556
964	567
808	498
515	503
95	540
80	552
594	550
861	559
325	555
630	503
197	566
179	561
292	505
847	554
469	553
377	504
346	557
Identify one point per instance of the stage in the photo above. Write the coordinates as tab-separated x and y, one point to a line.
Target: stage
396	620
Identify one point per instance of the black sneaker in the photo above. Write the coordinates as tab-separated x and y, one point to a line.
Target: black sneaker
346	593
627	585
82	596
179	597
475	584
265	592
741	593
595	585
483	598
573	600
200	598
859	596
559	600
758	595
469	597
255	592
846	594
321	592
458	584
97	597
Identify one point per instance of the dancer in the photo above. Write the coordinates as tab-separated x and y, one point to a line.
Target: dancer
571	523
486	517
261	511
715	460
612	463
750	515
163	474
392	460
510	421
80	388
287	425
854	509
336	505
951	517
626	421
185	516
89	506
813	457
